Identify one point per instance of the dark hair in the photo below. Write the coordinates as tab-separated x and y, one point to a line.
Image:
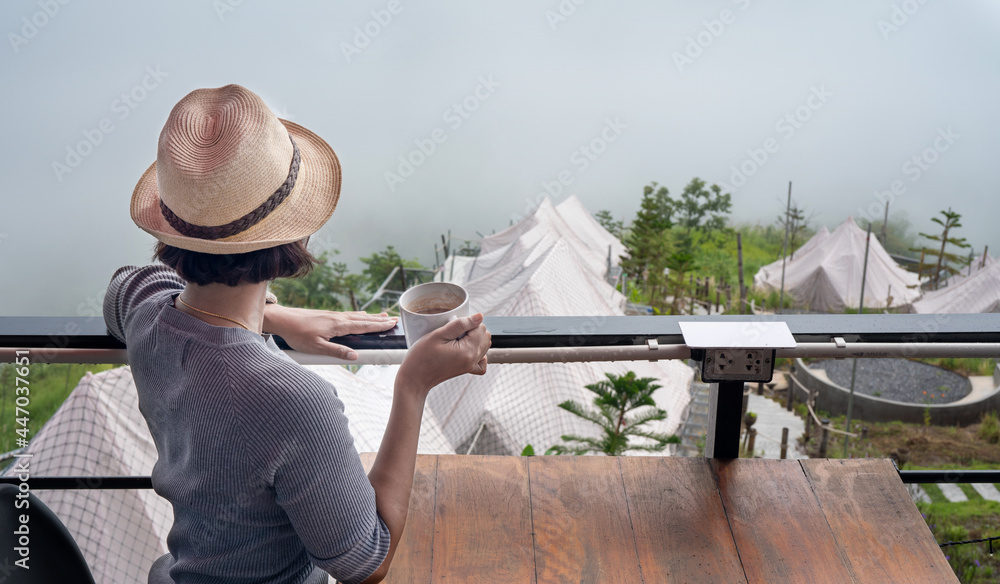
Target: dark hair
290	260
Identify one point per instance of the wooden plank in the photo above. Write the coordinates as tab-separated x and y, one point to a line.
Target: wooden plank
412	562
482	525
580	520
873	517
779	528
680	526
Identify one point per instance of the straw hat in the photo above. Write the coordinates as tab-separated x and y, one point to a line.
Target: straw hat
230	177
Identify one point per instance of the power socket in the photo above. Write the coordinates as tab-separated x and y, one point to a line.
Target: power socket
738	365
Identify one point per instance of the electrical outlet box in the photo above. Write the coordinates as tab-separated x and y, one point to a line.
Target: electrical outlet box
738	365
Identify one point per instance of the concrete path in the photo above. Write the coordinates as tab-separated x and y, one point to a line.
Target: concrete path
771	418
987	490
918	494
953	492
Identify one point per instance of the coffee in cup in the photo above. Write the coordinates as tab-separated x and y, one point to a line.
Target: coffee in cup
426	307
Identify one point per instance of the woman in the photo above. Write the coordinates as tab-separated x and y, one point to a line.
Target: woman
253	450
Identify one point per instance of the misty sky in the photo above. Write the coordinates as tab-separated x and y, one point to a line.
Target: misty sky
846	99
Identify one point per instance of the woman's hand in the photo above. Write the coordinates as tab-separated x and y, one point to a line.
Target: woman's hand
309	330
456	348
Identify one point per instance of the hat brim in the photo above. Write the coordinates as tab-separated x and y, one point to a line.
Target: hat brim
307	208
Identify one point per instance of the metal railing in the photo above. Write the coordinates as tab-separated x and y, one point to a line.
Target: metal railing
571	339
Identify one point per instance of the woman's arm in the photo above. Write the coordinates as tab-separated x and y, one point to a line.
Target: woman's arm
456	348
310	330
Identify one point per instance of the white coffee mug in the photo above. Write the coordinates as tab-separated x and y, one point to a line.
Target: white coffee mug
427	307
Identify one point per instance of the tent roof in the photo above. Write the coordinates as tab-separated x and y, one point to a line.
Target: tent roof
769	276
977	293
828	277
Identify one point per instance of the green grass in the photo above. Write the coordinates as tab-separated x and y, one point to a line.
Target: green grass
934	492
974	519
970	492
49	385
963	366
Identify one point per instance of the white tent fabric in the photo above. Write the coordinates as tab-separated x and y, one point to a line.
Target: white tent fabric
587	238
980	263
593	234
977	293
828	277
769	277
98	431
543	266
367	406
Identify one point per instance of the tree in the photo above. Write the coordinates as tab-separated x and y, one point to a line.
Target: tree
380	264
702	210
608	222
699	212
796	224
944	258
623	405
648	242
324	287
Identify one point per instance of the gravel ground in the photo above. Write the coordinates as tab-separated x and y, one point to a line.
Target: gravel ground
899	380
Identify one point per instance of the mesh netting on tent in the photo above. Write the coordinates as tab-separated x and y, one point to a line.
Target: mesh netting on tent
98	431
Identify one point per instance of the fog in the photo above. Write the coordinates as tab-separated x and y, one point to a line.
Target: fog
460	116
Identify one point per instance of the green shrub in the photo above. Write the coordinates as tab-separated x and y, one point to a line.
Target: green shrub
989	428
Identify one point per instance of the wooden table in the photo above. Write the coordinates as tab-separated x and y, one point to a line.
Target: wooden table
478	519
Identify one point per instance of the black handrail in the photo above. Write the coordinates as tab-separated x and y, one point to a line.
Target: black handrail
578	331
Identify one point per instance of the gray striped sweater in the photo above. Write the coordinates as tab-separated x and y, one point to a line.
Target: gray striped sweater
254	451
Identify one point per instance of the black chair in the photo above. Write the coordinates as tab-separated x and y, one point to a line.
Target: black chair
53	555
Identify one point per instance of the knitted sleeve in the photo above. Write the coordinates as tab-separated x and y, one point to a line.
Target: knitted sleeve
130	285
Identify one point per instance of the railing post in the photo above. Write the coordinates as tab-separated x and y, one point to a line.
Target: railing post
784	443
824	440
725	403
751	440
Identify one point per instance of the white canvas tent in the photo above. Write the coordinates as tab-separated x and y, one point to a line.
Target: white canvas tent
980	263
98	431
977	293
827	278
543	266
769	277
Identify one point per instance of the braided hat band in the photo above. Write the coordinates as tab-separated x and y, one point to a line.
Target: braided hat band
245	222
